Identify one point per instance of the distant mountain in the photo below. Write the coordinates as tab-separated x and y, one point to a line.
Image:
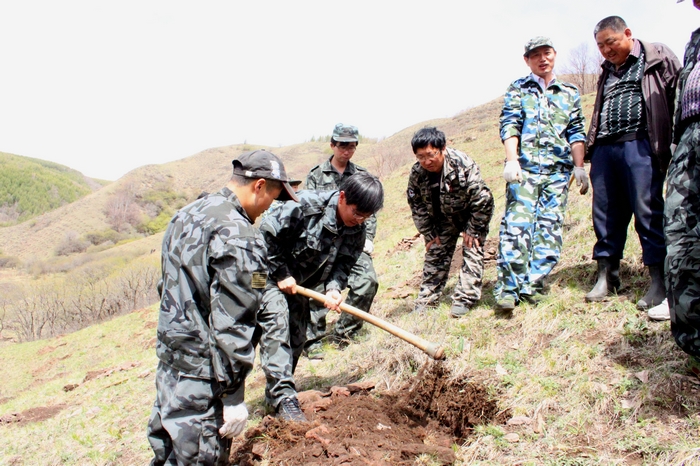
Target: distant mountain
142	201
30	187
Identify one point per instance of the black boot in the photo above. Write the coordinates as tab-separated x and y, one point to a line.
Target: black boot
608	279
657	290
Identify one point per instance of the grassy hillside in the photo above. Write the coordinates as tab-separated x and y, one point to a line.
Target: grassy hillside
589	384
30	187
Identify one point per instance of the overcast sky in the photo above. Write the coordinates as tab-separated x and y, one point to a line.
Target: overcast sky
107	86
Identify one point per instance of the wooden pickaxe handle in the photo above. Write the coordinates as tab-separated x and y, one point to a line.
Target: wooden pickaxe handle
431	349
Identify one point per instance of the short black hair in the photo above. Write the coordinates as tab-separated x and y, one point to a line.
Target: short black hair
343	143
615	23
428	136
364	191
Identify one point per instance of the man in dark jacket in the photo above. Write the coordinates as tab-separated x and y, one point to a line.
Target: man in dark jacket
448	199
313	242
629	146
214	274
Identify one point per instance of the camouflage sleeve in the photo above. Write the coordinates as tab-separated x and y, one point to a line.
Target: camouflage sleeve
419	209
238	279
311	181
480	201
348	253
511	121
576	131
280	229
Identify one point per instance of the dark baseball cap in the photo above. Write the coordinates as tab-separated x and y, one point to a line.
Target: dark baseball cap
264	164
345	133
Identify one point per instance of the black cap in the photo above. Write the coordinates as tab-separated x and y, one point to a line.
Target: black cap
264	164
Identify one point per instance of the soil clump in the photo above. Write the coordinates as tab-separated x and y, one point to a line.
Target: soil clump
355	425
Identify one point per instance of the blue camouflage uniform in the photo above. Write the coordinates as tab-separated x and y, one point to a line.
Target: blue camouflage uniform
363	283
304	241
466	206
214	274
547	122
682	212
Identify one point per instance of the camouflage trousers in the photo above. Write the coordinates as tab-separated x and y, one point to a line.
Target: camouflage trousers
281	332
682	230
185	420
436	269
530	236
362	288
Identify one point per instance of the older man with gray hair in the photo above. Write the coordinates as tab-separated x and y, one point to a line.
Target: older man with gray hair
629	145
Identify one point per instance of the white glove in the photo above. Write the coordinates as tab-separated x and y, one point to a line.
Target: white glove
511	172
581	179
369	247
235	419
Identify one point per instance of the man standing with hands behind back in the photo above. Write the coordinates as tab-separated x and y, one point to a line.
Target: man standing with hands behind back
629	144
542	128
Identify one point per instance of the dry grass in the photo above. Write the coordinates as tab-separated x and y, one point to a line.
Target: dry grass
590	383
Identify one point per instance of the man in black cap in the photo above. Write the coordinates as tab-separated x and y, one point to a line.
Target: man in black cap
214	272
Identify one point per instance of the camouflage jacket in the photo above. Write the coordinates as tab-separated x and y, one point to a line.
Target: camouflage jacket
465	200
324	177
214	273
304	241
692	49
547	123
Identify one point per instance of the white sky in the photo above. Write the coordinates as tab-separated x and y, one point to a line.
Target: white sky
107	86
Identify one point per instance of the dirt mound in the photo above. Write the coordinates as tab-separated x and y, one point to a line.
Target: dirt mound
32	415
352	426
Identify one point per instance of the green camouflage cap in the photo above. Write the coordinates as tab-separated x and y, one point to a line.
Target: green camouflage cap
536	42
345	133
264	164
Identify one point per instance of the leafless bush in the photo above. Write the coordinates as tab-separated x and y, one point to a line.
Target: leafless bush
71	244
385	162
8	262
122	209
3	314
53	307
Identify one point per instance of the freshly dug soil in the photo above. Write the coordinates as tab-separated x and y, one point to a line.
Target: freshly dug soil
355	426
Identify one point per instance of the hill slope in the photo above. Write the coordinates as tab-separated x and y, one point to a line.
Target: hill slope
585	384
30	187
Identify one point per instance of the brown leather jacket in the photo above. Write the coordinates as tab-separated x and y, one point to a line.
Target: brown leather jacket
659	92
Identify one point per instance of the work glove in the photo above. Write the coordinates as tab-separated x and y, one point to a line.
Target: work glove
581	179
369	247
511	172
235	419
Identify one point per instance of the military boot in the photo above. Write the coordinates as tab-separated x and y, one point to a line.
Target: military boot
608	280
657	290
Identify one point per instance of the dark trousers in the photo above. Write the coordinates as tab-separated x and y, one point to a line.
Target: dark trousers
627	181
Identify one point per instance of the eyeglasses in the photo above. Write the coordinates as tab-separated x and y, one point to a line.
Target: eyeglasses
346	146
359	216
427	156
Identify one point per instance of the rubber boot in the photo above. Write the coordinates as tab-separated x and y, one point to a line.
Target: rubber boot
608	280
657	290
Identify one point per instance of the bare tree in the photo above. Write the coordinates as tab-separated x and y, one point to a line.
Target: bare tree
121	209
583	67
